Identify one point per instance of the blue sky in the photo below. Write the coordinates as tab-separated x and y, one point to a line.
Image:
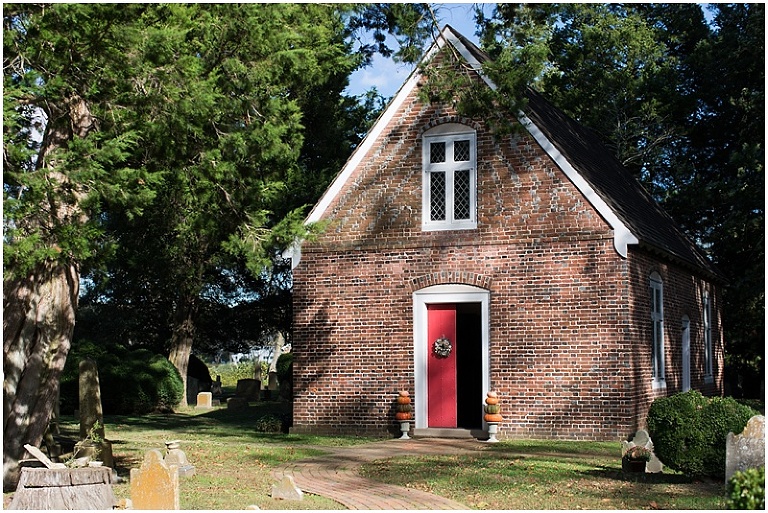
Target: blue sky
387	76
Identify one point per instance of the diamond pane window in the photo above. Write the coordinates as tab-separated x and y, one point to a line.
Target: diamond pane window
436	152
461	194
437	196
461	151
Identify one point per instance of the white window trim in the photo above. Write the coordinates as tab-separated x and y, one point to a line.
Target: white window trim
450	132
657	318
708	355
685	352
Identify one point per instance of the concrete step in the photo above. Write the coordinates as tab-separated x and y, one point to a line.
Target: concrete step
449	433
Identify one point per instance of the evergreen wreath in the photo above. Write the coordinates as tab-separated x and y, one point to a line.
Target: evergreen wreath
442	347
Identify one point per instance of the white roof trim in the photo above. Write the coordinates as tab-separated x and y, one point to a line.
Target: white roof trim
378	127
622	235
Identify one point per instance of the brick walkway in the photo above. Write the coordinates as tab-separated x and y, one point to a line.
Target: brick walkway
335	475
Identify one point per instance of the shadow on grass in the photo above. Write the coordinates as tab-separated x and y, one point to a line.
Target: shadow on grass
617	474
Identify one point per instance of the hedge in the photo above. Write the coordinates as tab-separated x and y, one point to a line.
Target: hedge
132	381
689	431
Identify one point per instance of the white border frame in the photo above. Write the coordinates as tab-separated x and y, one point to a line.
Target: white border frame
437	294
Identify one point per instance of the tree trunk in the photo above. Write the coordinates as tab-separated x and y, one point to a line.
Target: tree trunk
39	307
38	321
181	340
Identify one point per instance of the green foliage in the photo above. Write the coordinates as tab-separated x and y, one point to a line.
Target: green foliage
268	424
689	431
746	490
680	101
232	372
131	381
285	368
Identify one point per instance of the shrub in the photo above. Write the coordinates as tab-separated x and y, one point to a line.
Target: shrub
746	490
131	381
284	368
268	424
689	431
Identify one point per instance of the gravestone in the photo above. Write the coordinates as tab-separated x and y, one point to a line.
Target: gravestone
90	400
93	444
216	387
746	450
156	484
643	439
64	489
204	401
249	389
286	489
236	403
273	386
175	456
193	388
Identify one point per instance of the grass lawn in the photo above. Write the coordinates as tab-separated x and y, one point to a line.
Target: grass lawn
525	474
233	463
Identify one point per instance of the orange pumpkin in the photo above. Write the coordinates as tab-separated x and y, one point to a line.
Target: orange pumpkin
491	400
403	399
401	415
493	417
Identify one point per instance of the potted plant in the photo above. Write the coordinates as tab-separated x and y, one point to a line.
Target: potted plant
404	413
635	458
492	415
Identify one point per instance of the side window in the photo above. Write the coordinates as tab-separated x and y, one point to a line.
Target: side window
657	321
449	193
707	313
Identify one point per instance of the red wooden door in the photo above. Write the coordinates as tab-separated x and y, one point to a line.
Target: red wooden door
441	371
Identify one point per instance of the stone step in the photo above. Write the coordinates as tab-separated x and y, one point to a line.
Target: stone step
449	433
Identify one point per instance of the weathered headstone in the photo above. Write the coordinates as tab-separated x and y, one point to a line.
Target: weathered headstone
93	444
204	401
273	381
64	489
286	489
156	484
90	400
643	439
175	456
193	387
746	450
249	389
237	403
216	387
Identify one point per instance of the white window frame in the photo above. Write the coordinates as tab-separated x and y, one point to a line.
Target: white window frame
707	322
658	362
448	133
685	351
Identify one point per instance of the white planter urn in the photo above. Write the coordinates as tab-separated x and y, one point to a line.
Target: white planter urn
493	428
405	426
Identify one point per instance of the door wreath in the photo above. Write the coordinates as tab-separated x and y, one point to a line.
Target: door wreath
442	347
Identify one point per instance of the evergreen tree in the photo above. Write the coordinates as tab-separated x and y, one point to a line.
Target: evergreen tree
681	103
63	71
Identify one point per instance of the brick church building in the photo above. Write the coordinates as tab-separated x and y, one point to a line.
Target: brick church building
555	277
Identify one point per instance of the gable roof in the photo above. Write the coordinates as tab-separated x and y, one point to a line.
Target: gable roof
626	206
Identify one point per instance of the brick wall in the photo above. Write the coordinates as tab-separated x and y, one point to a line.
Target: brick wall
564	352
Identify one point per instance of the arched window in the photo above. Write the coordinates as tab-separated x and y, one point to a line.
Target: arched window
449	194
657	333
685	352
707	313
